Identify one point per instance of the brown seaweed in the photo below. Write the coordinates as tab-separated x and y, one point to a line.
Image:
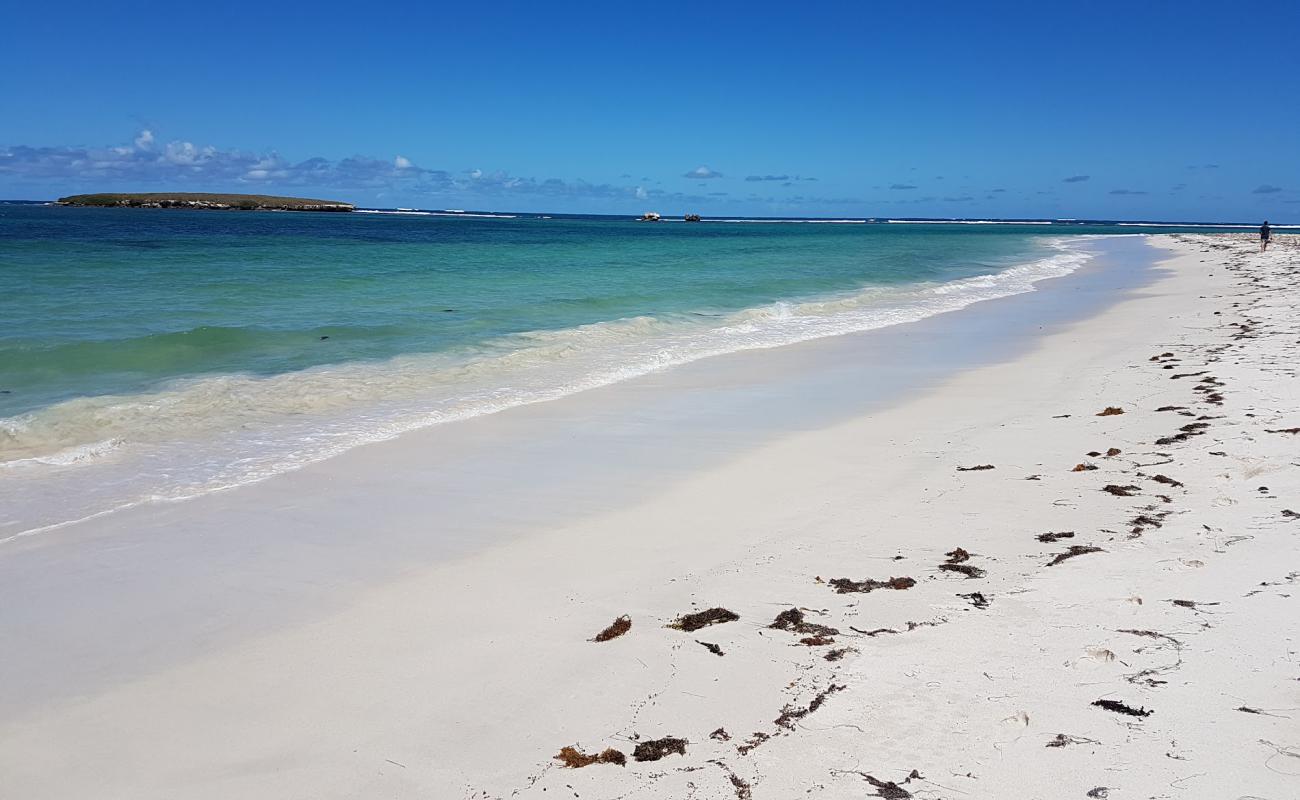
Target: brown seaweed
845	586
1122	708
575	758
616	629
703	619
1121	491
792	620
790	715
1075	550
655	749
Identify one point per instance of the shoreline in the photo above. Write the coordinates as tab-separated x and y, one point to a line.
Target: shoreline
357	701
31	485
585	455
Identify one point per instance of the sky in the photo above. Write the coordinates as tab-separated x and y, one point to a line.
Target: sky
1134	110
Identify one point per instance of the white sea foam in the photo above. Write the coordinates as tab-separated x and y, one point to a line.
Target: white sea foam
965	222
207	434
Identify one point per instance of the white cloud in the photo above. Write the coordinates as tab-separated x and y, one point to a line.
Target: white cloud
401	162
144	141
702	172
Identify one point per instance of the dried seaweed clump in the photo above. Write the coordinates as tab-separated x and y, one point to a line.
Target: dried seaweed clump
1110	411
792	619
575	758
789	715
1122	708
845	586
1083	467
1075	550
1061	740
711	647
616	629
889	790
1052	536
655	749
1168	481
976	599
1121	491
954	564
703	619
976	468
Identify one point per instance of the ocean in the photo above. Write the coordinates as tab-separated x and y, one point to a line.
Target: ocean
151	355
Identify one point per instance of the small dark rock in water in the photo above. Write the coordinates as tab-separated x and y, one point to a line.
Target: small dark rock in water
323	338
702	619
655	749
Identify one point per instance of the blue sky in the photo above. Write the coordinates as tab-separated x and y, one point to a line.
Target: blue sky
1102	110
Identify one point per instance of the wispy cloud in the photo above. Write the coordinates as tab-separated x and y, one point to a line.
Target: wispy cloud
1126	191
1076	179
702	172
1266	189
901	186
787	179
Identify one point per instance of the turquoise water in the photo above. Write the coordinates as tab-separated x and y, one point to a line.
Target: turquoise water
159	354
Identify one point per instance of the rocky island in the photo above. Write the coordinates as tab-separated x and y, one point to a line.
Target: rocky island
221	202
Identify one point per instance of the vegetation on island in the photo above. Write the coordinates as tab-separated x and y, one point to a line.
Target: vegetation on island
224	202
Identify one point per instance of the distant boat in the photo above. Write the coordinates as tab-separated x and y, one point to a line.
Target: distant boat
650	216
691	218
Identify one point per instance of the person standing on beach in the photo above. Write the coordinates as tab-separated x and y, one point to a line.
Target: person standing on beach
1264	233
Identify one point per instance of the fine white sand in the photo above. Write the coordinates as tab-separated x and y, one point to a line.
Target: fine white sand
464	678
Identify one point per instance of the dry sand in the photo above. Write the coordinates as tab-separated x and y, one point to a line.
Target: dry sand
466	678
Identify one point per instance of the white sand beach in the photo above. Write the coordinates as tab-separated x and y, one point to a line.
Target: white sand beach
414	619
